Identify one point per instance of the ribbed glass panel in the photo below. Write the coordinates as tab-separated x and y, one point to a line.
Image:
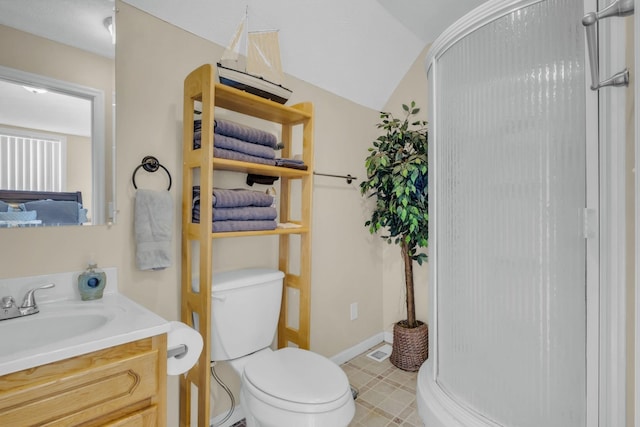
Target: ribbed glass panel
510	191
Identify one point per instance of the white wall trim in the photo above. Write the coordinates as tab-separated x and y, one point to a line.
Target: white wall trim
350	353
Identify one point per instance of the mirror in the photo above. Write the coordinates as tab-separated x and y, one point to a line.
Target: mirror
57	110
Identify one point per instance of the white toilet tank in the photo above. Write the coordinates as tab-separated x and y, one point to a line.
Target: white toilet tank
245	306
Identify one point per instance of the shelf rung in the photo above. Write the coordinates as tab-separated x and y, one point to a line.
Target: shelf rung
194	234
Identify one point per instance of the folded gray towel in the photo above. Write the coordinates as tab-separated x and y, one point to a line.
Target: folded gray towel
221	153
235	144
226	198
153	225
234	198
225	226
246	133
246	213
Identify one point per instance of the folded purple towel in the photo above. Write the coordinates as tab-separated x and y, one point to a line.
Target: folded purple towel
229	198
221	153
222	226
291	163
238	145
247	213
245	133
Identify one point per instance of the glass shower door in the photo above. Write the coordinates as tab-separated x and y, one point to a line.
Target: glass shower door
510	195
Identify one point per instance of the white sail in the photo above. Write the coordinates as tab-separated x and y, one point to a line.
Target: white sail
251	63
231	55
263	58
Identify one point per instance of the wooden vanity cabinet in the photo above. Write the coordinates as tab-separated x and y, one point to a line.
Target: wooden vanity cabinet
119	386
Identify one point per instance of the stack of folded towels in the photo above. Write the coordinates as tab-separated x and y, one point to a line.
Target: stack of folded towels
238	210
237	142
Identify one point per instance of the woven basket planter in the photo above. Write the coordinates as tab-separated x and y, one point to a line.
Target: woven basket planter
410	346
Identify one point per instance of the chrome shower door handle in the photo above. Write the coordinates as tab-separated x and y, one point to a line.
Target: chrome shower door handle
617	8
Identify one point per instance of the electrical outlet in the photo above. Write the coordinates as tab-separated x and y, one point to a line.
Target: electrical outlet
354	310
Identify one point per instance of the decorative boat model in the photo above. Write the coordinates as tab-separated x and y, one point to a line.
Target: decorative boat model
260	71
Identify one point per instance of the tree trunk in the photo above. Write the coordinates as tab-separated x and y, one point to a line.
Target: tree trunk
408	279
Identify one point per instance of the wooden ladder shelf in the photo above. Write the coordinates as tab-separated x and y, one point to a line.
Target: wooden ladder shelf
200	86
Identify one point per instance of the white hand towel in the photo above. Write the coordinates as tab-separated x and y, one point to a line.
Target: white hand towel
153	224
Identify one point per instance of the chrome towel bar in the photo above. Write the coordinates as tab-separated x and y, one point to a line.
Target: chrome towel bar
348	177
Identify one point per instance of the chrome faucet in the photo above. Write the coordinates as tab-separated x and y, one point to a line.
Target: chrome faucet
9	309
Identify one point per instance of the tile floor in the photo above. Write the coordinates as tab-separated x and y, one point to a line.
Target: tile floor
387	395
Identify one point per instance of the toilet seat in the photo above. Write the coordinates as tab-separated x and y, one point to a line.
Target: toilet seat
297	380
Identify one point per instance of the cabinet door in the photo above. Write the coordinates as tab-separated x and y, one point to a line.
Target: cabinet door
92	389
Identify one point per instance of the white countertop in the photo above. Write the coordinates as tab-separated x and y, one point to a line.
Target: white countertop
123	321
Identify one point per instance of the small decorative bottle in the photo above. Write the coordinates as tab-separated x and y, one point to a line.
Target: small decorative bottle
91	283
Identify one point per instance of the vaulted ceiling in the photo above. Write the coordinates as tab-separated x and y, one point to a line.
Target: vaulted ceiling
357	49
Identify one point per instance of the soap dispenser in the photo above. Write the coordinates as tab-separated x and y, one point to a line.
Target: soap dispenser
91	283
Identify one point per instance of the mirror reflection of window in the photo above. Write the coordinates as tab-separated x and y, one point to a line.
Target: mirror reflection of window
32	161
51	143
41	133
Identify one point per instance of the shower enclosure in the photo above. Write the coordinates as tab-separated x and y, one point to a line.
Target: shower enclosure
514	238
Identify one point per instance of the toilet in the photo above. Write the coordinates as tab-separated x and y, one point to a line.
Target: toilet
289	387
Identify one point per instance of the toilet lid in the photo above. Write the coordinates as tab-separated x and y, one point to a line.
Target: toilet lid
298	376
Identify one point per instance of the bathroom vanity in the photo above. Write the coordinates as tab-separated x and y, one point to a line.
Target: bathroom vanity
89	363
123	385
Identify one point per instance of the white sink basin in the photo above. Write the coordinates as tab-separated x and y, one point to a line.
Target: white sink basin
69	328
41	329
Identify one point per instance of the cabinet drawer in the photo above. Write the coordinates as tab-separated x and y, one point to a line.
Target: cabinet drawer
143	418
81	389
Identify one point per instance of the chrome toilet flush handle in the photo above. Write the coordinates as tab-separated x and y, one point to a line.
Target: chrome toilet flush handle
9	309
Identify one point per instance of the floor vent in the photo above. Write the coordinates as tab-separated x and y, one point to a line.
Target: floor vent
380	354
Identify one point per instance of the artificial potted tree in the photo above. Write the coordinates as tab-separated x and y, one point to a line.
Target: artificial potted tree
397	177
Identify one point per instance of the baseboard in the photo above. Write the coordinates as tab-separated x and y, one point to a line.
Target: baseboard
237	415
360	348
